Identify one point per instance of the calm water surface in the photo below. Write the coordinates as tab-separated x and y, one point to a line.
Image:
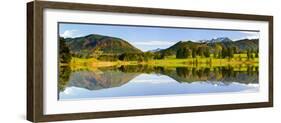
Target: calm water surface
140	80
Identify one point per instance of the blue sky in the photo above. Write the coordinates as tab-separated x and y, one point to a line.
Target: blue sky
149	38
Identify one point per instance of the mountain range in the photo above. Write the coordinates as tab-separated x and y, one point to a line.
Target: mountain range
86	45
241	45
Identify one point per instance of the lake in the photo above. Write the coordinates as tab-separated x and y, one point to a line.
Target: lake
142	80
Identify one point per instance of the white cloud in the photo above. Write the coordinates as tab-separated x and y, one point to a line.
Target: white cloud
70	34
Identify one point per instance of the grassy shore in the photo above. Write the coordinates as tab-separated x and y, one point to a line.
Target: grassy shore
237	60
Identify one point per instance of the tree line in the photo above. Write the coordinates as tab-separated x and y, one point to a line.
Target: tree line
184	52
218	52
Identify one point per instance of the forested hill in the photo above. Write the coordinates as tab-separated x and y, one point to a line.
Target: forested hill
239	46
94	43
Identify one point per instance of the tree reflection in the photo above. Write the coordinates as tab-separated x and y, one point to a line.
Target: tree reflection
64	74
109	77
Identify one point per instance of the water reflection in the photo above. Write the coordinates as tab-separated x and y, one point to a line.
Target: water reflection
143	80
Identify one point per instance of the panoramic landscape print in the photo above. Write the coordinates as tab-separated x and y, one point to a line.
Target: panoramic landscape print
118	61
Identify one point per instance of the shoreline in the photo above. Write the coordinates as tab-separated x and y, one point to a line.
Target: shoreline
92	63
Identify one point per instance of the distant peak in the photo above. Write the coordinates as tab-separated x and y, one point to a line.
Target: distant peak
219	39
222	39
155	50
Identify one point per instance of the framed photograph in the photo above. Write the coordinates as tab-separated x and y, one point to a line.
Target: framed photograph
89	61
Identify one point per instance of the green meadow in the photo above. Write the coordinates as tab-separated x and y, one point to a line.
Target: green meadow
171	61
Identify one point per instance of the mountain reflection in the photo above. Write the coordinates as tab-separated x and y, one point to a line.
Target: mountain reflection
110	77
